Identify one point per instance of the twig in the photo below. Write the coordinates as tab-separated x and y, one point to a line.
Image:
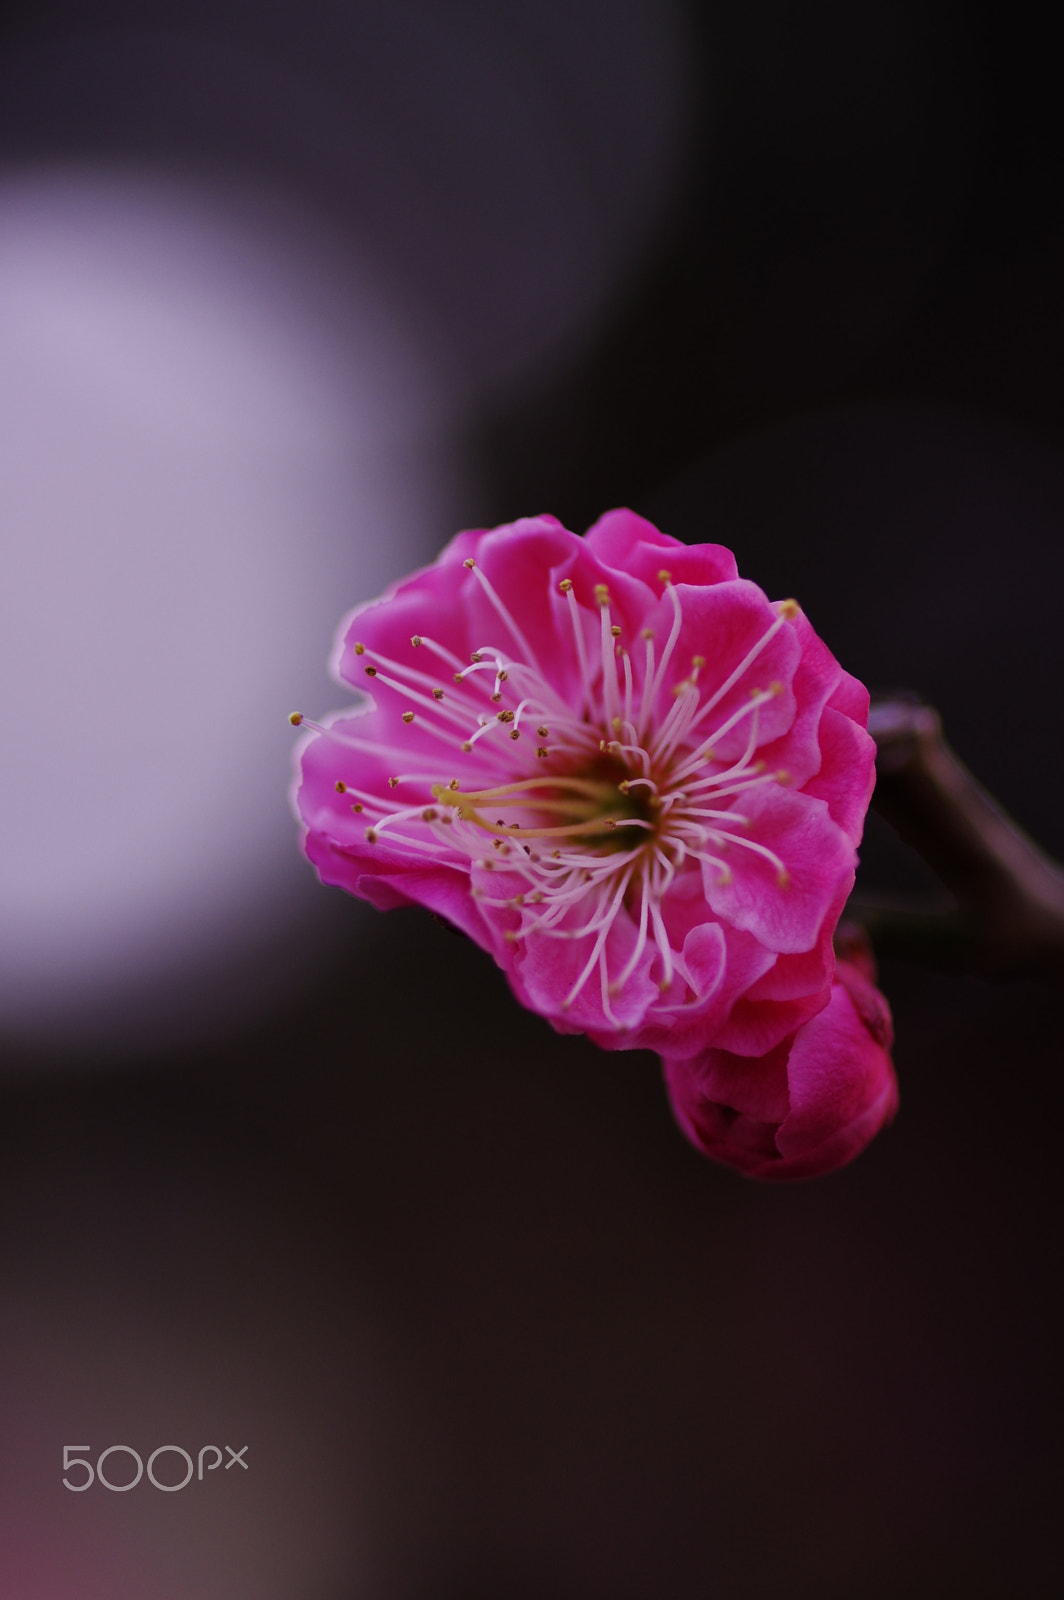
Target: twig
1008	919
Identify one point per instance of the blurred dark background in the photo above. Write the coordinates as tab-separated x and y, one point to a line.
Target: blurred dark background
306	1178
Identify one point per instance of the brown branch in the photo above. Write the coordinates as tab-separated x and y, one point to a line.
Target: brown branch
1009	915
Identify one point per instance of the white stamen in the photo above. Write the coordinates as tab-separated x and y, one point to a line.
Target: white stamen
489	590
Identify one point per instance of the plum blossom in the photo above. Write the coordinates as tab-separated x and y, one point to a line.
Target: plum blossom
613	763
804	1108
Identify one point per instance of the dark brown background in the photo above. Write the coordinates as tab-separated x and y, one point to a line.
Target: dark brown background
488	1325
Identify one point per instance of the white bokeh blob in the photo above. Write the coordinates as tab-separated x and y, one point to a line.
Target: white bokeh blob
213	440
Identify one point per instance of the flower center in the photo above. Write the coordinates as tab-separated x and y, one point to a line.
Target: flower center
592	804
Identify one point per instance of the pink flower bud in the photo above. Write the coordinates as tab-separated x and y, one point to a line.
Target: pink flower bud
805	1107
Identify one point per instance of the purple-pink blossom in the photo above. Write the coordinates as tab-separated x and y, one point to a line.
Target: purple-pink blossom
805	1107
618	767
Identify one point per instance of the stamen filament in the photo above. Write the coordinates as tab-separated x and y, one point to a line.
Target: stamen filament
578	635
442	651
599	943
730	682
650	695
489	590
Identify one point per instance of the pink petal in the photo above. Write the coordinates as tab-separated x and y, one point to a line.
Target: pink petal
546	970
842	1087
852	699
723	625
798	752
628	542
785	916
848	772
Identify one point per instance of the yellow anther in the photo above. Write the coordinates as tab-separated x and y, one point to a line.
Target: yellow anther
408	716
698	662
340	786
602	594
415	640
360	649
543	732
295	718
357	806
371	835
371	672
504	716
466	745
615	630
516	733
496	698
565	585
510	936
646	633
393	783
453	784
476	657
783	776
789	609
776	687
665	576
541	752
783	878
625	786
437	694
469	562
429	814
459	677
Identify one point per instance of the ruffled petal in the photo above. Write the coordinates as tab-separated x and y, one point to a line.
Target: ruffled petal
784	905
623	540
847	773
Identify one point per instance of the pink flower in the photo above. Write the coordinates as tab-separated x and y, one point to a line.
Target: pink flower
804	1108
615	765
